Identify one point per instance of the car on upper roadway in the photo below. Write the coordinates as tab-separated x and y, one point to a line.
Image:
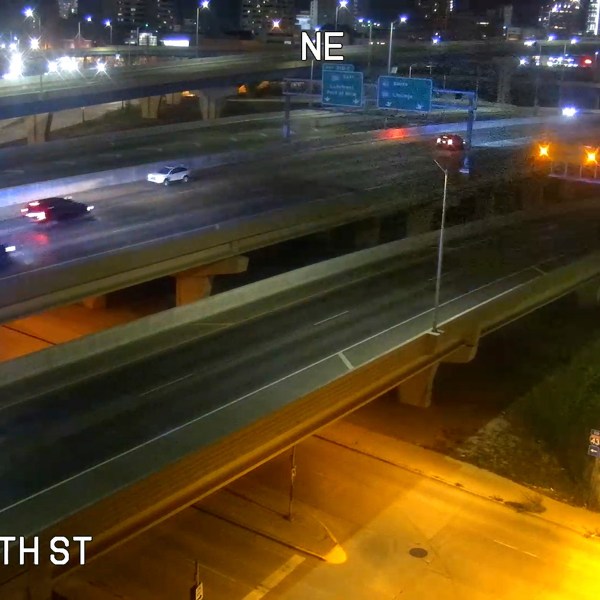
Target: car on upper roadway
168	175
5	252
450	141
55	209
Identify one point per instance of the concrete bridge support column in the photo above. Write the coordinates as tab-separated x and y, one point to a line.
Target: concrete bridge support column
38	128
505	67
367	233
173	99
196	284
588	296
211	105
417	390
418	220
150	106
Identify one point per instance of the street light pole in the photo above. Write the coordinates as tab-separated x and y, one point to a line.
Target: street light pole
370	45
440	257
197	28
389	70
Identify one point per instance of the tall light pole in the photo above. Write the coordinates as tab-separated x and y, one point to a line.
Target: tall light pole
370	45
108	23
204	5
440	257
341	4
391	43
88	19
35	17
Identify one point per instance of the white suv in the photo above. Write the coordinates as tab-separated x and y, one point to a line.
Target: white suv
168	174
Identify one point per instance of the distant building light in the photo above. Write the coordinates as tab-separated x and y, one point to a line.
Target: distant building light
176	43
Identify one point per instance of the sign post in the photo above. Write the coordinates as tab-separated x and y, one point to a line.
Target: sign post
343	89
404	93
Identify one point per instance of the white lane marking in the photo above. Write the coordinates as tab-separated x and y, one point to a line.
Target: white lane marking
158	149
345	360
515	548
66	162
541	271
275	578
263	134
198	144
159	387
233	138
330	318
13	171
508	142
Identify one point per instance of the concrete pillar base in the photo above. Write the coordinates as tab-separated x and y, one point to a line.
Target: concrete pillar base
150	106
419	220
212	101
417	390
38	128
367	233
95	302
173	99
196	284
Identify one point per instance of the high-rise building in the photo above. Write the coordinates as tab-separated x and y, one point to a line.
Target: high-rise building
562	17
592	22
139	13
262	16
67	8
436	9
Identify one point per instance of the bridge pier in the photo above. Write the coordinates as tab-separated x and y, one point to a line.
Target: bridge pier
195	284
173	99
417	390
588	296
367	233
418	220
38	128
150	106
212	101
505	67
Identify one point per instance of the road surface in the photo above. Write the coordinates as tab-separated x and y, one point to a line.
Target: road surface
45	440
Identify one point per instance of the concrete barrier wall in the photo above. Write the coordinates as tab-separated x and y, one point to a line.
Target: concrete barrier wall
173	327
82	183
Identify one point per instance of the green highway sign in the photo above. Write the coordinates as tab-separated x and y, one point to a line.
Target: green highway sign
342	89
404	93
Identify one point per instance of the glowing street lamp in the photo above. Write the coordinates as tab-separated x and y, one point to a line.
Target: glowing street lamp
401	19
108	23
203	5
34	43
52	67
101	67
29	13
591	156
277	24
544	151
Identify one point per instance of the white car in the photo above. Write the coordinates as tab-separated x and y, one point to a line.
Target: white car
167	175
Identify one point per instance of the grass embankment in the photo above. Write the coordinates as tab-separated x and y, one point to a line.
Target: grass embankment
541	378
561	410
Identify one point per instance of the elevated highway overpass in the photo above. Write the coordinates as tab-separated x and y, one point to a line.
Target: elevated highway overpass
108	435
142	232
56	91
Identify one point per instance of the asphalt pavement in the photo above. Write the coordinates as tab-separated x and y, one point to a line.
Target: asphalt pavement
46	440
222	198
53	160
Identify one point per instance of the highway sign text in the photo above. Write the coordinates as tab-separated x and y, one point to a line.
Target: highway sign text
404	93
321	47
342	89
